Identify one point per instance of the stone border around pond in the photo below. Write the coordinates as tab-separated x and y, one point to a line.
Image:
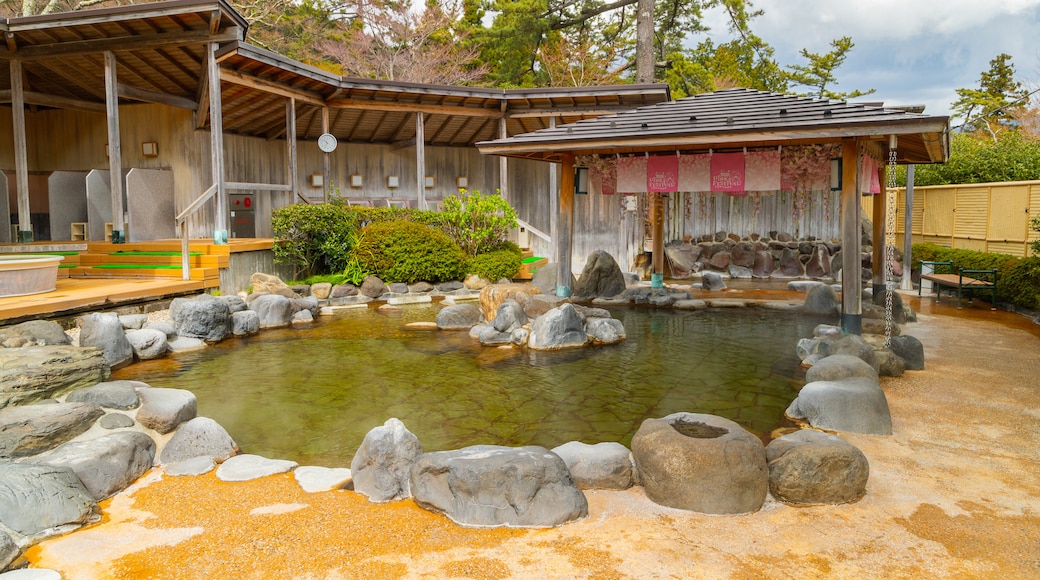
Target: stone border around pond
146	427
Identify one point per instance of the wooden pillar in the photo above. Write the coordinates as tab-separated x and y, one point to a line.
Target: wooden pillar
880	206
216	145
326	160
566	227
420	160
554	206
657	257
503	161
851	278
291	155
115	157
908	226
21	158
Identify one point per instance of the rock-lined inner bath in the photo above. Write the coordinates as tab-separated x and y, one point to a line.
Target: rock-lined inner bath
311	395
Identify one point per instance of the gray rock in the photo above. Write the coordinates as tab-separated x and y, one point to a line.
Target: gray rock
36	333
316	479
520	336
302	317
273	310
804	285
479	329
40	501
321	290
910	350
692	304
488	485
105	465
200	436
245	323
557	329
28	430
812	467
164	327
185	344
343	291
302	290
458	317
545	279
104	331
8	550
539	304
420	288
39	372
877	326
661	300
381	465
856	405
249	467
307	303
491	337
712	281
822	299
270	284
133	321
235	303
450	286
205	317
373	287
889	363
509	316
398	287
737	272
605	330
110	395
850	344
193	467
147	343
701	463
115	421
898	310
600	466
164	409
601	277
819	264
838	367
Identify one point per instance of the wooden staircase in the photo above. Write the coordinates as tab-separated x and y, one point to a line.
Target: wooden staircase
529	265
160	259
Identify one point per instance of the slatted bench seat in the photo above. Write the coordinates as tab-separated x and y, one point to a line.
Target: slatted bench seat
969	281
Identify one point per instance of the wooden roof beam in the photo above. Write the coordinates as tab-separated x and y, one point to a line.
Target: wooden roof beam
44	100
142	42
270	87
149	96
432	109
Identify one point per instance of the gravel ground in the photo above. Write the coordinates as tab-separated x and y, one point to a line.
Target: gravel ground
953	493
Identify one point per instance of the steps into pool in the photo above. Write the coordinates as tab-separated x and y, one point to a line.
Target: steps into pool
156	260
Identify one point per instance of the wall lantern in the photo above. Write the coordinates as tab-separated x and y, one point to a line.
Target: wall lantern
356	180
393	182
428	182
150	149
462	182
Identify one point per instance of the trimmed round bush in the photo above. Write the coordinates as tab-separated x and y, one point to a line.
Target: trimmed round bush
409	252
495	265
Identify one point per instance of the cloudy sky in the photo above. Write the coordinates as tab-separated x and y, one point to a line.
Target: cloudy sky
912	51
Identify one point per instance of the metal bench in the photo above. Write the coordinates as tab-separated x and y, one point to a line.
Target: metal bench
969	281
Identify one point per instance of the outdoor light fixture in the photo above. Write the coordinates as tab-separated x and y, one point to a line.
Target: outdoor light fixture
428	182
581	180
356	180
462	182
317	180
150	149
393	182
835	174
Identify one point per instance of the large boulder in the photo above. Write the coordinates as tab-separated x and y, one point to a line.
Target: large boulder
850	344
838	367
489	485
819	264
120	395
557	329
910	350
205	317
509	316
812	467
822	299
164	409
898	309
36	333
272	310
889	363
104	331
33	429
601	277
105	465
494	295
701	463
40	372
606	465
40	501
269	284
458	317
245	323
373	287
856	405
605	330
712	281
681	258
200	436
147	343
380	467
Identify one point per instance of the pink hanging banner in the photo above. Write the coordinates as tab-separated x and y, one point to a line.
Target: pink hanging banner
695	172
631	175
609	178
727	172
662	173
868	175
762	171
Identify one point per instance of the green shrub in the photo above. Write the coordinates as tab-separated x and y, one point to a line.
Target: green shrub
1018	279
477	223
495	265
405	251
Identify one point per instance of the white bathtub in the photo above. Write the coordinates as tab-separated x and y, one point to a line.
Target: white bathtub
21	274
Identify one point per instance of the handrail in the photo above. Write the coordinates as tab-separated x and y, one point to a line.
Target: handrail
534	230
195	205
182	222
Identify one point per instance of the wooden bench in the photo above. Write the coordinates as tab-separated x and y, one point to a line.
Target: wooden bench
969	281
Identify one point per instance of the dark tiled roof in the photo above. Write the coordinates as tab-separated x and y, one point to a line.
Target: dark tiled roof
734	117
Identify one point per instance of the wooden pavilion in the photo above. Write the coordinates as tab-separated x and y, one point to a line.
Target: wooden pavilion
741	119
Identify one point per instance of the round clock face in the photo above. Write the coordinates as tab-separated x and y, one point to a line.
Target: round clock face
327	143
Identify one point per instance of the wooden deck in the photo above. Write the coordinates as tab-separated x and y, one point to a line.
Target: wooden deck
74	295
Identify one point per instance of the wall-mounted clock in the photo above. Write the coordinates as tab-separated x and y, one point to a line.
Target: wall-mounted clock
327	142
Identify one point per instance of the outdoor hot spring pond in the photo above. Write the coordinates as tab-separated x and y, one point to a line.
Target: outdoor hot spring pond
311	393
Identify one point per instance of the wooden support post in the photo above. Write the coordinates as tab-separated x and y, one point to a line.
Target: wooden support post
21	158
216	145
326	160
290	143
503	161
880	208
657	258
554	205
566	227
908	226
115	157
420	160
851	278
